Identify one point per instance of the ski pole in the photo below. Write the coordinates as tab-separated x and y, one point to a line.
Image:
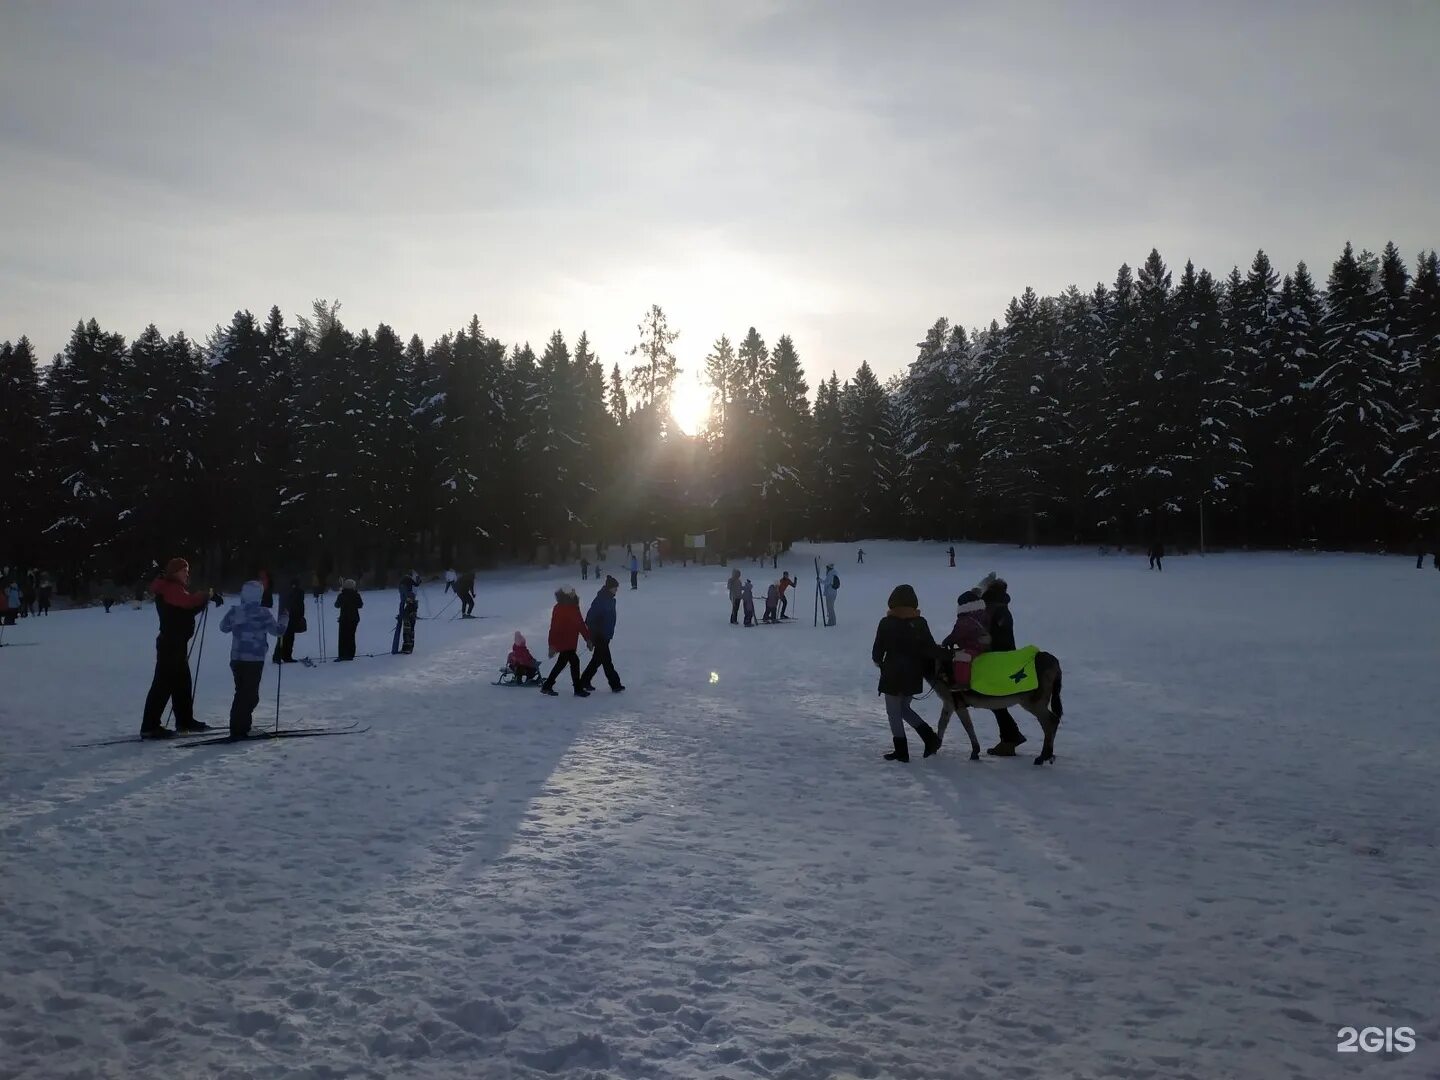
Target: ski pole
200	655
279	675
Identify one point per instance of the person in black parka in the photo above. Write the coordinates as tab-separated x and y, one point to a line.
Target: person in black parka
294	604
904	651
1002	639
349	602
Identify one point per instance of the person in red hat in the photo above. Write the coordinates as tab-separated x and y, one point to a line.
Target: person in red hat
176	607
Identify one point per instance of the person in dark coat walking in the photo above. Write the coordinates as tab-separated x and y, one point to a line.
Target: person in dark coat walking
904	651
736	589
995	593
1157	553
294	607
600	621
952	554
566	629
349	602
176	607
44	589
634	572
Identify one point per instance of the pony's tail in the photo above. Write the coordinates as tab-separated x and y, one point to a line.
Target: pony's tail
1057	707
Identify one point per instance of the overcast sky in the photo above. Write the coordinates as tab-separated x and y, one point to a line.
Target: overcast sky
841	171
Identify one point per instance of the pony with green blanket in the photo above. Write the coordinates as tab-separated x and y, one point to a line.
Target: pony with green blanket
1027	678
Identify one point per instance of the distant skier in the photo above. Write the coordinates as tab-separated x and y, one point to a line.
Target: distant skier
786	581
1157	553
772	601
904	651
747	594
634	572
249	623
566	629
465	589
584	568
107	594
44	590
952	554
831	587
860	555
600	621
9	603
736	588
450	578
293	607
27	594
349	602
176	606
409	610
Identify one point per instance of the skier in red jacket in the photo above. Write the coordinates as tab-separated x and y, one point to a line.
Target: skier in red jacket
177	607
567	626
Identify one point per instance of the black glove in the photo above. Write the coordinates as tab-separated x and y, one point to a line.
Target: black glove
217	599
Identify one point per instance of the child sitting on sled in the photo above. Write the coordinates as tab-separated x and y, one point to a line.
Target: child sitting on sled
520	663
970	636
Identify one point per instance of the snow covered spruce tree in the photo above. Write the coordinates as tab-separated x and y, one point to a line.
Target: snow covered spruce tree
935	456
866	502
158	470
786	446
247	420
1415	476
1213	464
23	448
87	393
1016	420
473	462
1355	444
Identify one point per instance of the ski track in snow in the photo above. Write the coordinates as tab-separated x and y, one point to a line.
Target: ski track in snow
1234	856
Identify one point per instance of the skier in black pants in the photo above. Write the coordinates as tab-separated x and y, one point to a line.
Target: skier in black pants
1002	639
600	620
177	607
465	589
294	607
1157	553
349	602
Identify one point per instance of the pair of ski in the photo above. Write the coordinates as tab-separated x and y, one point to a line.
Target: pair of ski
259	735
189	737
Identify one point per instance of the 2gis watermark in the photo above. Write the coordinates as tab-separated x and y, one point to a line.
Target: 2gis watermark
1375	1040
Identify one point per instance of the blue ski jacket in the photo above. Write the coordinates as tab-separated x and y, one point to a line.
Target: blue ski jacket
601	616
250	625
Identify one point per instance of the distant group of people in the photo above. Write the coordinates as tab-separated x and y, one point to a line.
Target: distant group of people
905	652
24	593
742	595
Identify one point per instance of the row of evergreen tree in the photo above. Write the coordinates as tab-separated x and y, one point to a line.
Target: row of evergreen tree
1263	410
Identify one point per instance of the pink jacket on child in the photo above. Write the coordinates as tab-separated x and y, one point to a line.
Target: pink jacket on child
520	653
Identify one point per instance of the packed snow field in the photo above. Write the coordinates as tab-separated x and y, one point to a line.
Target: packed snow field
714	874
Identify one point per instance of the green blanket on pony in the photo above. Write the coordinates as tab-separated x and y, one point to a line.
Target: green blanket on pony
998	674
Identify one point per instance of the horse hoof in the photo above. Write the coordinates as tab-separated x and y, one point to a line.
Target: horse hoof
975	754
1043	758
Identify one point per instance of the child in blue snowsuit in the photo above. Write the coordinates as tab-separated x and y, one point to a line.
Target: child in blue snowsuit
250	626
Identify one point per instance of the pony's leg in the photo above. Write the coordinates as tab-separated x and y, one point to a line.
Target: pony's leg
970	730
947	706
1049	724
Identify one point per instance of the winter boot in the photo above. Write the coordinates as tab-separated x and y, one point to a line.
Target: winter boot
548	691
1002	749
928	737
157	733
193	725
580	691
901	751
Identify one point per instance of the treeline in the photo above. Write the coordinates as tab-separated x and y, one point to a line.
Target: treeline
1269	410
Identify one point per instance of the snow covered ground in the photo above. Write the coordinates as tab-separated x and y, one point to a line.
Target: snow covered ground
715	875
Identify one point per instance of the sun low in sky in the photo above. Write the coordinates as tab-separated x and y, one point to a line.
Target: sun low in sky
690	406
